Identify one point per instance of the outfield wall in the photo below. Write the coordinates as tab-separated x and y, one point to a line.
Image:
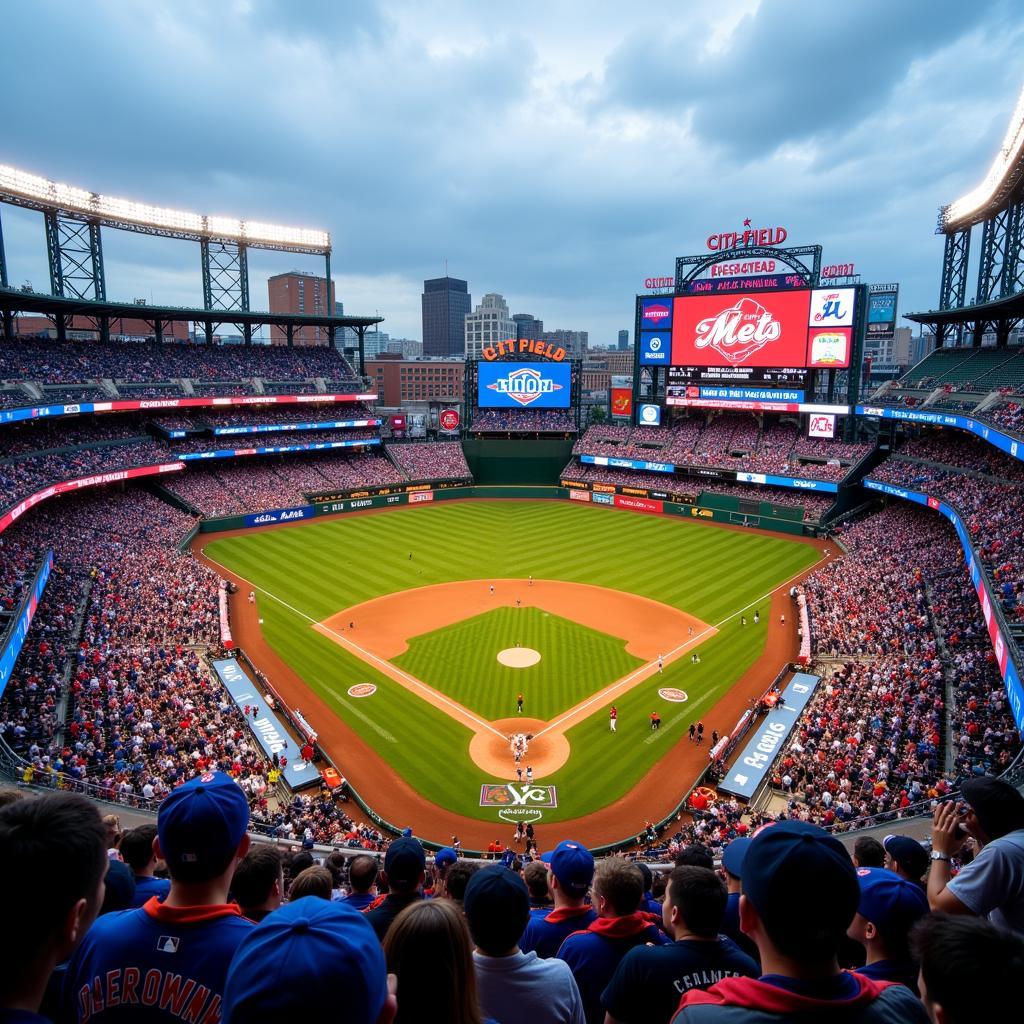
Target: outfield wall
649	506
521	461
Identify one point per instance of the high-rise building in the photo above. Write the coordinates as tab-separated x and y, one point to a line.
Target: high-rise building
299	292
574	342
623	340
375	342
446	301
527	326
401	381
488	324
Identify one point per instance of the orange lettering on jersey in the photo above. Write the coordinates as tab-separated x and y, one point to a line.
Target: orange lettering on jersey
130	984
174	996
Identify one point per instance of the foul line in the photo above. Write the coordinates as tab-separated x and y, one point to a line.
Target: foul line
369	656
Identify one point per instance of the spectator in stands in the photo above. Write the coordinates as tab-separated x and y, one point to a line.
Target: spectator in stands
570	871
53	862
443	860
258	883
514	986
139	853
312	960
647	901
906	857
594	954
458	878
152	953
868	852
119	891
970	970
732	866
404	869
314	881
695	855
993	882
362	881
429	951
800	894
535	874
650	979
889	907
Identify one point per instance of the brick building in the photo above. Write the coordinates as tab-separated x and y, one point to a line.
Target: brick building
299	292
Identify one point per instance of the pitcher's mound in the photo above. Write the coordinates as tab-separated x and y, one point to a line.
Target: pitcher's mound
518	657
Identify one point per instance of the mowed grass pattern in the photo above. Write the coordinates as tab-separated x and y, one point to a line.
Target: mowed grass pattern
316	570
461	662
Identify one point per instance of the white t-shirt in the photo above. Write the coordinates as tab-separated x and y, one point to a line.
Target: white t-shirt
523	989
993	883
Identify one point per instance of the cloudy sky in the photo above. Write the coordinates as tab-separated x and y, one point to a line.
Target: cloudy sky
555	152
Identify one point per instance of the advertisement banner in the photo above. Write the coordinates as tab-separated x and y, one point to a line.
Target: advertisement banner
751	394
655	348
280	428
602	499
617	463
794	483
758	329
575	495
418	497
882	301
449	420
828	348
622	403
821	425
524	385
636	504
279	515
649	415
230	453
832	307
744	777
656	314
266	726
23	621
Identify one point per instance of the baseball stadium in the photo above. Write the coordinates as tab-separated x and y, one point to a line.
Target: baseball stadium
740	579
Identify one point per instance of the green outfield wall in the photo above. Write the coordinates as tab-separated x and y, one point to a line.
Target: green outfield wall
506	461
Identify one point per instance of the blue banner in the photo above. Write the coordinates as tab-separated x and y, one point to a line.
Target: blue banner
42	411
603	499
17	633
996	438
524	385
265	725
795	483
758	755
227	453
274	428
655	348
656	314
280	515
1000	645
747	394
607	460
649	415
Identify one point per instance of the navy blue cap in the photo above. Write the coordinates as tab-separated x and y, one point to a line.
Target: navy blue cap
908	853
446	855
793	861
573	865
889	900
733	854
405	861
497	908
305	962
201	824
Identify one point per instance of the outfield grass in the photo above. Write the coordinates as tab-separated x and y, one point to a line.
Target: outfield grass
461	662
313	571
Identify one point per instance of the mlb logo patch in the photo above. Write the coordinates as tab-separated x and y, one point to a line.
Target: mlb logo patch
168	944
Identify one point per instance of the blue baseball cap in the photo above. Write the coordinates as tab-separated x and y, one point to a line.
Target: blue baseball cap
200	825
405	861
733	855
305	961
908	853
573	865
446	855
795	865
888	900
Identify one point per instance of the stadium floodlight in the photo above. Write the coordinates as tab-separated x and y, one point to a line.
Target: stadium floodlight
117	212
967	207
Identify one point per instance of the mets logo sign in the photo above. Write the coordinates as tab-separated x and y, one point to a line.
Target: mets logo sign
525	385
512	794
739	331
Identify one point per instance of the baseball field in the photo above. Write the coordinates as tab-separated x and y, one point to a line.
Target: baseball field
452	611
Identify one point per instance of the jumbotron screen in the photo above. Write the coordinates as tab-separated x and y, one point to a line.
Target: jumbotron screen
766	337
538	385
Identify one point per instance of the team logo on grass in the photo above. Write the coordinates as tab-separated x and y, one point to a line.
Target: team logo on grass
362	690
672	694
516	794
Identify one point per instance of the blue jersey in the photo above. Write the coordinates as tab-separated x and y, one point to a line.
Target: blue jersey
147	887
157	963
545	934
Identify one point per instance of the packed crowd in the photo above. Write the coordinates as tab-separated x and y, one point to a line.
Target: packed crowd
523	420
251	416
1009	415
436	461
191	913
205	443
53	362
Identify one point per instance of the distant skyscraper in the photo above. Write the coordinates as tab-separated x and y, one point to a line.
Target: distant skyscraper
623	340
446	301
488	324
527	326
574	342
299	292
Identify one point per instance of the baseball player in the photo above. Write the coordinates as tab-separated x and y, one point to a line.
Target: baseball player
531	581
693	731
613	717
518	602
655	721
529	774
519	773
519	704
661	664
757	616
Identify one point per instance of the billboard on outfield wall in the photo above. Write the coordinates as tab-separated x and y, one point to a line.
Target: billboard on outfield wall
524	385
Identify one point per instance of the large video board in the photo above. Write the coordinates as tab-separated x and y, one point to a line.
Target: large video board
759	337
524	385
